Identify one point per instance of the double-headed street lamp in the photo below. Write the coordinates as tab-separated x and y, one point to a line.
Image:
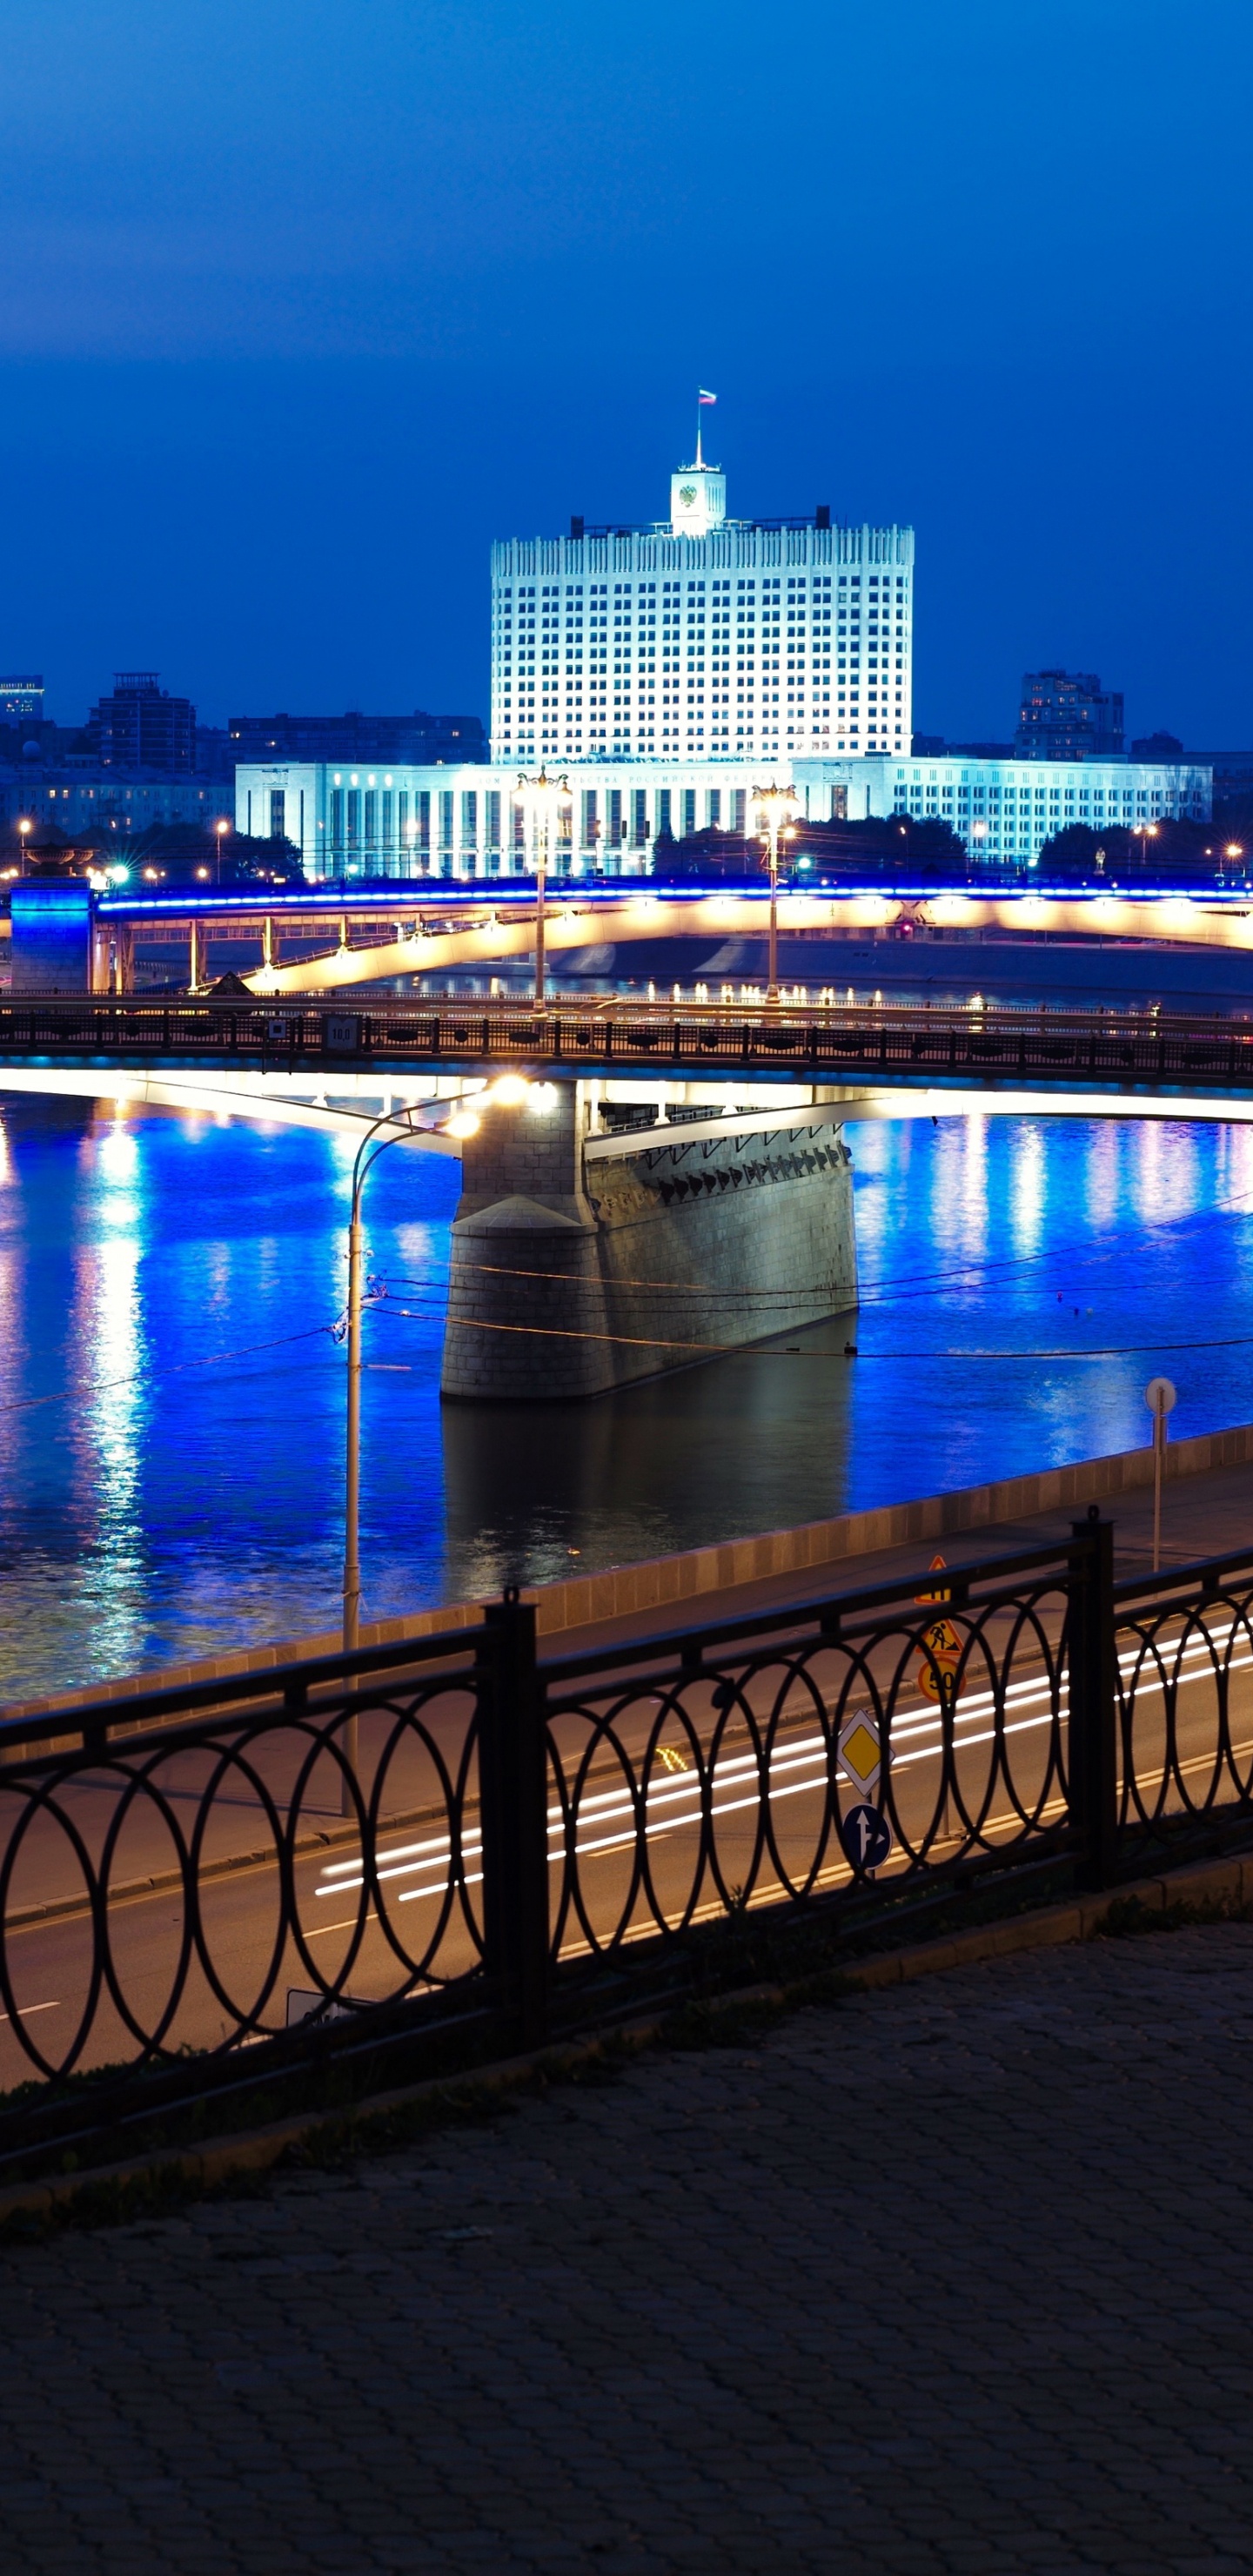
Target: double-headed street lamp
541	799
776	806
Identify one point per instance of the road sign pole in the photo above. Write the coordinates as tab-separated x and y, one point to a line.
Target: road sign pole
1159	1395
1159	1455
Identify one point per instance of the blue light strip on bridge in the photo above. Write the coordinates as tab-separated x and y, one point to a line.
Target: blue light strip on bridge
415	894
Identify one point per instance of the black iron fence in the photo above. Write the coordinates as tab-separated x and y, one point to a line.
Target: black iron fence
815	1036
195	1869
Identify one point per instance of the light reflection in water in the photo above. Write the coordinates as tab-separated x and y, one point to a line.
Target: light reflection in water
197	1504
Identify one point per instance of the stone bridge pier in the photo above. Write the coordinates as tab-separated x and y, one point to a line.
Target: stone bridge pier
602	1240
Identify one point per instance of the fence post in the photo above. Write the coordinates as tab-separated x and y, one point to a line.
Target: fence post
1093	1728
513	1790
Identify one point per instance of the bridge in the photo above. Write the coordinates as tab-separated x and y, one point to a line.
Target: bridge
1197	1064
617	1157
424	928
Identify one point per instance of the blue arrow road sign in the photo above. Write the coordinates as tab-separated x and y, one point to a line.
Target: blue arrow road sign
866	1836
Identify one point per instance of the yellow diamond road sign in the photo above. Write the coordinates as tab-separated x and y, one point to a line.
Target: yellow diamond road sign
859	1750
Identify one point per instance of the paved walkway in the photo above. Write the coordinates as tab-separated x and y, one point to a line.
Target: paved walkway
947	2280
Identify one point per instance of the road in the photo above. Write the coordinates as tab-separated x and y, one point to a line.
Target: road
421	1925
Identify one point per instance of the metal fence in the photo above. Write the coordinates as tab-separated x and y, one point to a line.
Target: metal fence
451	1818
814	1035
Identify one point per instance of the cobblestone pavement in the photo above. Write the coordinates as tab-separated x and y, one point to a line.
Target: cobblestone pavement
955	2278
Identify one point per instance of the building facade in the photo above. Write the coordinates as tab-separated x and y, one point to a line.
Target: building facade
83	799
702	637
478	822
1067	715
1007	809
140	726
356	737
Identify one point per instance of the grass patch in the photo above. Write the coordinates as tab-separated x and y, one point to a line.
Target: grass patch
1129	1917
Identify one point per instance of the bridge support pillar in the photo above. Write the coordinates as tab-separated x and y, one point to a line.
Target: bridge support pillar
583	1259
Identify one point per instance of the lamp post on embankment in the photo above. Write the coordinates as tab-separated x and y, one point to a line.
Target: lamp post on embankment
462	1123
541	797
776	806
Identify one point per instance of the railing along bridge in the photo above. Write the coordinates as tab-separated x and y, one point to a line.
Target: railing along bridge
804	1038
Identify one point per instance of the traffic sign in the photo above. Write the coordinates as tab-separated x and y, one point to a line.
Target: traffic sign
1160	1396
859	1755
941	1651
866	1836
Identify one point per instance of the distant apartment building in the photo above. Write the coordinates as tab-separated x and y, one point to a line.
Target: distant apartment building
140	726
421	739
83	799
1067	715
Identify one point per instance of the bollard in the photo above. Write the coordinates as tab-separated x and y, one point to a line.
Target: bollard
1093	1711
513	1790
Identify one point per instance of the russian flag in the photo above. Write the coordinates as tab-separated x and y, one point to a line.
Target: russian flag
703	397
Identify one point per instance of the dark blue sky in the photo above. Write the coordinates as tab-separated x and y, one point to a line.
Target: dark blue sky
305	300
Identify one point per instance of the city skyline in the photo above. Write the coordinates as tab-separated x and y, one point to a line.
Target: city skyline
926	651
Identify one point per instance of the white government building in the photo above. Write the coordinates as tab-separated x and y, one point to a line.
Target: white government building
664	672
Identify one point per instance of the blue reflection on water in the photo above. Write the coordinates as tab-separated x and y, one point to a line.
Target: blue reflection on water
171	1403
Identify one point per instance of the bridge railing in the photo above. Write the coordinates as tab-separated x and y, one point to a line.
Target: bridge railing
454	1824
818	1036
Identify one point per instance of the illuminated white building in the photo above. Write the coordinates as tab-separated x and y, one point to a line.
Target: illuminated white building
702	636
471	822
663	673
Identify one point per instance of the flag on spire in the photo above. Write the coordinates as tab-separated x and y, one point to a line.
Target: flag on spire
704	397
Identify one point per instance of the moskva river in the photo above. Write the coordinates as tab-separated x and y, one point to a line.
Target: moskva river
172	1397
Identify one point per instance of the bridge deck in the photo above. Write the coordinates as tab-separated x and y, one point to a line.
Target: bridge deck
810	1041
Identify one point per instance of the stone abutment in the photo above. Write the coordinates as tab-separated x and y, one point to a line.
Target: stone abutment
591	1248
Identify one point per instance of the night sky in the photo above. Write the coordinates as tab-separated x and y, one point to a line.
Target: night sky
304	301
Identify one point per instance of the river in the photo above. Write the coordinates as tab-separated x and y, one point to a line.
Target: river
172	1398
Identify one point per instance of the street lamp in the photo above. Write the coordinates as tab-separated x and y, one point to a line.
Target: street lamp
25	827
368	1152
540	799
775	805
219	828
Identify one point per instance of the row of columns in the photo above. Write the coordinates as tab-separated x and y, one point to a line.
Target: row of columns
113	953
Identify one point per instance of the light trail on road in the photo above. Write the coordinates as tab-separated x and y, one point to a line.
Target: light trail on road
673	1802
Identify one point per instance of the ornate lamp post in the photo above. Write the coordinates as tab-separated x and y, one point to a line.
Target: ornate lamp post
776	806
541	797
219	828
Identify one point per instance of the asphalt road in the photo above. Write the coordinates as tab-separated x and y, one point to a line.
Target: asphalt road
246	1962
